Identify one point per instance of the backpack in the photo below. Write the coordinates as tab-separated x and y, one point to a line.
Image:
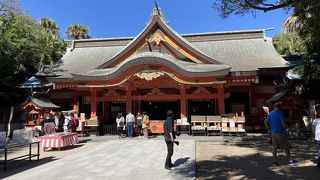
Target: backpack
70	124
147	120
75	121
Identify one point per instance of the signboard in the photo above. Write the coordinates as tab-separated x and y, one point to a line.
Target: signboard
20	136
3	138
49	128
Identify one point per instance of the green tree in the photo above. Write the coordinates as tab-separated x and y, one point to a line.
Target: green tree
7	84
29	43
25	46
9	6
305	20
50	26
241	7
76	31
289	44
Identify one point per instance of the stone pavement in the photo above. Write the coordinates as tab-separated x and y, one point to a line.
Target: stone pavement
116	159
253	160
216	157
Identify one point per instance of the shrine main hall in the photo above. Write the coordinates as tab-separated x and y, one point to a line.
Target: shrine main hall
192	74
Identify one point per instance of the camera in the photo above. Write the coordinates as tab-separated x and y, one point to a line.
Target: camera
177	143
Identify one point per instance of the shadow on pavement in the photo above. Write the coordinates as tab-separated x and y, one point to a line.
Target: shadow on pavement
258	165
85	140
65	148
180	161
185	169
23	165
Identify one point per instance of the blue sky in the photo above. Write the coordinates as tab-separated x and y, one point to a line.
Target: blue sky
126	18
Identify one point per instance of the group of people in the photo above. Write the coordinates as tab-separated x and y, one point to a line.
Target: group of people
278	129
127	125
142	122
63	122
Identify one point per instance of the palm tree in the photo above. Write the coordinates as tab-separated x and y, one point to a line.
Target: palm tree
77	31
50	26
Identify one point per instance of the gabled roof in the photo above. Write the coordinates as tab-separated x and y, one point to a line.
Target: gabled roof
184	68
41	101
34	82
246	50
157	22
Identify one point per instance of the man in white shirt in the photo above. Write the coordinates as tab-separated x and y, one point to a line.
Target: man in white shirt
130	123
316	131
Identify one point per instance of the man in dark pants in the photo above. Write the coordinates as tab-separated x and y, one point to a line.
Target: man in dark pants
169	136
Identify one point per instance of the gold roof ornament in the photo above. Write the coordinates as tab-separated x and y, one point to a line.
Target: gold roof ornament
149	75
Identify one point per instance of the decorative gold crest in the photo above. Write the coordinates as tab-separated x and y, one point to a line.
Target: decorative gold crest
149	75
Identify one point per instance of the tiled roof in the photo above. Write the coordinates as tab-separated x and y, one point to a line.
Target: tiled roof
184	68
42	102
235	51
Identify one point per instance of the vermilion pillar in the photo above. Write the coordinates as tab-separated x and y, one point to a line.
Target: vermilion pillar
183	103
221	99
93	103
128	100
75	102
252	97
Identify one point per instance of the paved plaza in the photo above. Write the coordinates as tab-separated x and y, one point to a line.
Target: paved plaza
106	157
116	159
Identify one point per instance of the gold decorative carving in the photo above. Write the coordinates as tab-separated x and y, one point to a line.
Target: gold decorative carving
155	91
201	90
149	75
157	38
112	92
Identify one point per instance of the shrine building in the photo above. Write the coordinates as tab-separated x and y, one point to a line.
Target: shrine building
192	74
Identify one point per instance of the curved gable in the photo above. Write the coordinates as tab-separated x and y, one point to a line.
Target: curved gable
157	32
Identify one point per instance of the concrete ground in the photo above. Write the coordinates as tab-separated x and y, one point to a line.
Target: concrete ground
110	159
253	160
198	157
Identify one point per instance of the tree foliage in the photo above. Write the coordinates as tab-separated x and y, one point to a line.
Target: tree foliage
305	22
7	83
29	43
77	31
25	46
9	6
50	26
241	7
289	44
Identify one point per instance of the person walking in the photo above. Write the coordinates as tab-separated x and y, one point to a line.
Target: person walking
169	136
120	124
130	123
145	125
67	123
75	122
139	118
56	121
316	131
278	128
267	111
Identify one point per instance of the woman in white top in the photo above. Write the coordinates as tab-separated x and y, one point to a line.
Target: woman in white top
316	131
120	124
66	125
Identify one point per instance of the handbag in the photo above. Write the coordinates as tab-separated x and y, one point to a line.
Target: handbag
148	122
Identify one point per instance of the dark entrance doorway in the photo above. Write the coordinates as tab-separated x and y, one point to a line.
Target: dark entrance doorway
156	110
115	109
202	107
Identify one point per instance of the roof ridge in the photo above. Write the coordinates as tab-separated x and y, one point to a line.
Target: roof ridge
183	35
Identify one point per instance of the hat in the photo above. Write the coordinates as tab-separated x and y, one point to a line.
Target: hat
277	104
170	113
